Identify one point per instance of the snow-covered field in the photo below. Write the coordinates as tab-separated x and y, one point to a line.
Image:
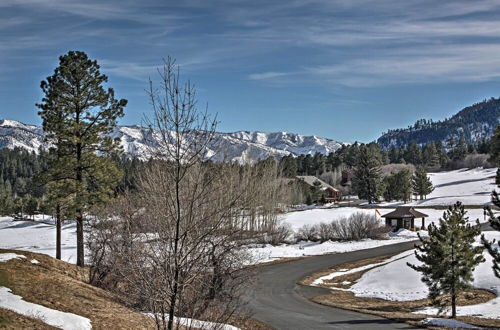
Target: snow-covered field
38	237
384	282
471	187
298	219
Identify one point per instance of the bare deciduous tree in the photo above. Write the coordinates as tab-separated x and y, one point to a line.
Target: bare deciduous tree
175	246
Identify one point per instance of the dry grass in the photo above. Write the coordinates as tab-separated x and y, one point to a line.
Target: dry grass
10	321
61	286
245	323
396	310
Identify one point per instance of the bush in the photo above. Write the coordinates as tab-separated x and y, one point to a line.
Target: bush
307	233
470	161
282	234
356	227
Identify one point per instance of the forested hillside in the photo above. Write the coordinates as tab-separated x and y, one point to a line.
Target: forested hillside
473	123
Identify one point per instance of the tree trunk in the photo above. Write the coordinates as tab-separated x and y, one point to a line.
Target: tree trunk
453	305
80	256
58	232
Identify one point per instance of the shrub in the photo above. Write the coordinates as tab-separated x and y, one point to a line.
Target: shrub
357	226
307	233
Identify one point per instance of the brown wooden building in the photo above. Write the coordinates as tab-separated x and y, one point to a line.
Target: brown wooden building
330	193
404	217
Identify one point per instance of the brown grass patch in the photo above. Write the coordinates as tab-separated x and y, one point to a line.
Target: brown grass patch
10	321
61	286
396	310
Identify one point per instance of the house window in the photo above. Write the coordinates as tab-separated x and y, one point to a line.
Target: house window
394	222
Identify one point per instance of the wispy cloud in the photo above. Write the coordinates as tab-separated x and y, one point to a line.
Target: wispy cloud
267	75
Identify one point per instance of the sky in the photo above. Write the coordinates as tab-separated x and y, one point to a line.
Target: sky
342	69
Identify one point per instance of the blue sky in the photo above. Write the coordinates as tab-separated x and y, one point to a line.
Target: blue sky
342	69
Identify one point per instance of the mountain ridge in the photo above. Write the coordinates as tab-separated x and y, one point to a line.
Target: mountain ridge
239	146
474	123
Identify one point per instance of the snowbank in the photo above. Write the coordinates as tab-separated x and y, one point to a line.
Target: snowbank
448	323
342	272
65	321
4	257
266	253
192	323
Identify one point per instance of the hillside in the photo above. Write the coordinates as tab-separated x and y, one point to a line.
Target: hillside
473	123
52	294
242	147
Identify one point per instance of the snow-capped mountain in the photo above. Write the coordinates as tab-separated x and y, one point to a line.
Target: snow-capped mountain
137	141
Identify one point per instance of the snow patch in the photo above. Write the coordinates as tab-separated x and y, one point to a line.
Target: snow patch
4	257
62	320
192	323
448	323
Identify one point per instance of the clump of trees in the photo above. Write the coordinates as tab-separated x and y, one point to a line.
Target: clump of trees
449	257
398	185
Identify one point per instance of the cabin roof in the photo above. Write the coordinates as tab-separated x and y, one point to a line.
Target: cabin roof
310	179
405	212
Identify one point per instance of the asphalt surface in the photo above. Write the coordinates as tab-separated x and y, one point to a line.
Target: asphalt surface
277	300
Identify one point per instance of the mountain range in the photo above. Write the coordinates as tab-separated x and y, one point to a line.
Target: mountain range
241	147
473	123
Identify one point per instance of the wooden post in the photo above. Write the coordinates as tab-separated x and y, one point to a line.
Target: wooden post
423	223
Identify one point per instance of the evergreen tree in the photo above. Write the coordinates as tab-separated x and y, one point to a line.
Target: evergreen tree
489	245
421	183
413	154
460	150
448	256
77	113
289	166
494	147
367	181
398	186
430	155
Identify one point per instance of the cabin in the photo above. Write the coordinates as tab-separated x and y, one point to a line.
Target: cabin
404	217
330	193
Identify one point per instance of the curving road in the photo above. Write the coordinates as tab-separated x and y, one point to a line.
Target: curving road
277	300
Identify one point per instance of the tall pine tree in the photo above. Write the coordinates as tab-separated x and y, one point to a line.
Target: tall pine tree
78	113
421	183
367	181
448	257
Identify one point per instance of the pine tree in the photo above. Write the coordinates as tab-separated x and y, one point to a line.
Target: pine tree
414	154
398	186
448	256
430	155
494	147
367	181
460	151
421	183
77	113
489	245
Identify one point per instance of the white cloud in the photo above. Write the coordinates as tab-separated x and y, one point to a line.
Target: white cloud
267	75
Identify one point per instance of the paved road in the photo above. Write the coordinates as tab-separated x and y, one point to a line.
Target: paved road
277	300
